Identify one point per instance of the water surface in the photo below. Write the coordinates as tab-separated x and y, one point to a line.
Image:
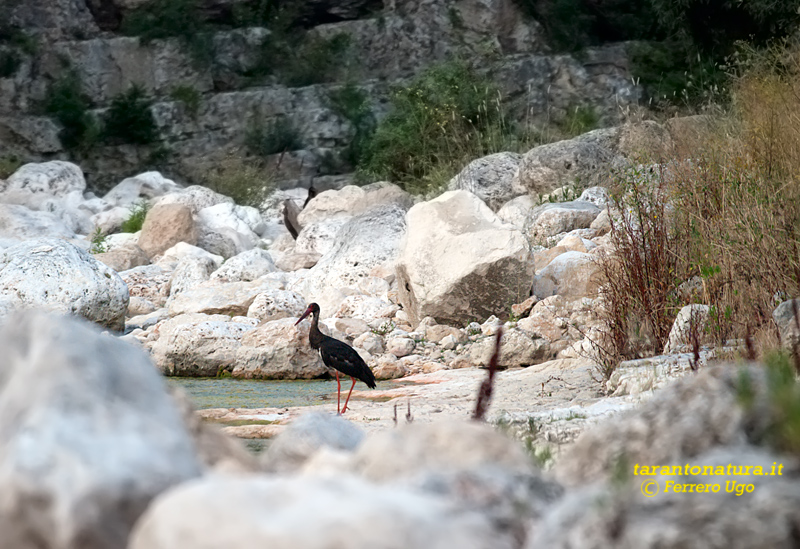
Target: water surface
250	393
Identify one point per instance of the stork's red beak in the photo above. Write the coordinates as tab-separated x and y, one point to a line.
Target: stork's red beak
305	314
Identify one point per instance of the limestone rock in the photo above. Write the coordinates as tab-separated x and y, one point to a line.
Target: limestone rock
278	350
195	197
681	421
21	223
516	211
166	225
58	276
474	266
70	477
319	237
366	243
246	266
386	456
351	201
491	179
787	318
370	342
150	282
215	297
306	435
34	185
198	345
170	258
570	274
143	187
547	167
190	271
276	304
517	348
690	323
400	346
550	220
347	512
228	230
215	449
124	258
627	518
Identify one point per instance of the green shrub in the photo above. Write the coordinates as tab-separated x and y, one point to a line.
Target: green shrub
10	61
300	59
190	98
445	118
352	103
277	136
572	25
580	119
98	242
8	165
129	120
136	220
246	180
673	72
317	59
66	103
180	19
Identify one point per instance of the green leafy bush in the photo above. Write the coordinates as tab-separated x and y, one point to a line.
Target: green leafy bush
445	118
190	98
245	179
98	242
315	60
129	120
276	136
8	165
135	222
66	102
10	61
172	19
353	104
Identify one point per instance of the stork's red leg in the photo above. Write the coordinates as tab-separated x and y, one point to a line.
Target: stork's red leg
338	392
348	395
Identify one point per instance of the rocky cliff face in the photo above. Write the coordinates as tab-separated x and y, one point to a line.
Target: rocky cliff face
386	43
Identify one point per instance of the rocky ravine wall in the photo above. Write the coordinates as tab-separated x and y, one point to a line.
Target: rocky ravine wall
394	42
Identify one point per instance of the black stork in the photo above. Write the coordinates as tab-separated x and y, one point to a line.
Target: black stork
337	355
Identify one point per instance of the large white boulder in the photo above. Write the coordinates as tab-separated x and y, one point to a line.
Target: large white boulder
276	304
246	266
308	513
36	185
142	187
21	223
459	262
227	229
367	245
351	200
190	271
552	219
195	197
88	435
198	345
570	274
217	297
278	350
318	237
491	179
58	276
56	187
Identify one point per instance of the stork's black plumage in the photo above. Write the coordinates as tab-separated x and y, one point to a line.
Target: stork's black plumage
337	355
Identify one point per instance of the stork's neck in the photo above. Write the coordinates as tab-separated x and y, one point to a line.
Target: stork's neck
315	337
